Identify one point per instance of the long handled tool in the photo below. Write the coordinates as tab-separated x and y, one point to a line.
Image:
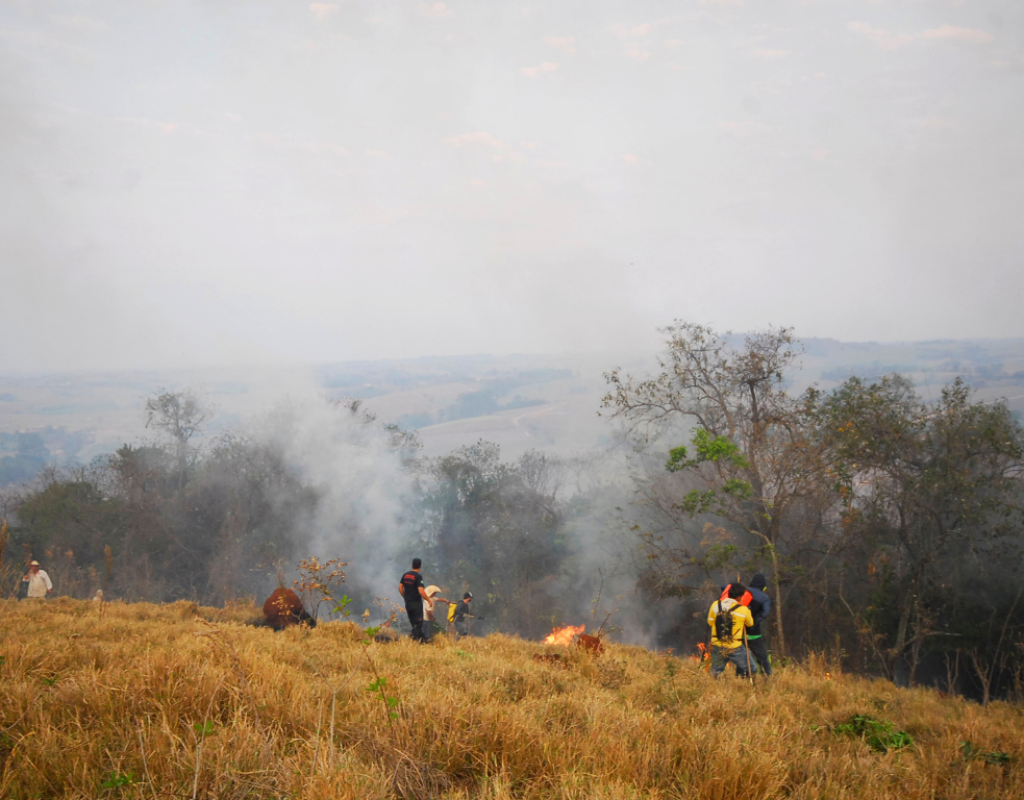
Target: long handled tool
746	650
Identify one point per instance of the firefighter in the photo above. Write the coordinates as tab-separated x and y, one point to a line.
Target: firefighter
412	591
760	607
430	623
729	620
461	612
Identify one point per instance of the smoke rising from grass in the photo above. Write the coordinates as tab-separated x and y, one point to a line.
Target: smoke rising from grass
352	465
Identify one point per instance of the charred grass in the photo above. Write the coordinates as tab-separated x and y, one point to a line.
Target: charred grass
145	701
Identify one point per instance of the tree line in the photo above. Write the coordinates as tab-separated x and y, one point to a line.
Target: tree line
182	517
890	526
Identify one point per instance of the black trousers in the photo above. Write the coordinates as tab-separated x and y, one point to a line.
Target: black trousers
416	620
759	652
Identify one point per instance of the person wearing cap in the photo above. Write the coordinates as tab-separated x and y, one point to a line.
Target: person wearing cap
760	607
39	583
461	612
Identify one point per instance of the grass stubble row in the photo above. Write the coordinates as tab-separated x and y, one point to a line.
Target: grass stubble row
147	701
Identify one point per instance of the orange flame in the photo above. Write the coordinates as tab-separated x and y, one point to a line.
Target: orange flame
564	636
703	650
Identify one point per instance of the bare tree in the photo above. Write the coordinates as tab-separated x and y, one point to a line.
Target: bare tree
180	416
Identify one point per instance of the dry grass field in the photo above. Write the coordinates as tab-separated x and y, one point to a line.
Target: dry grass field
145	701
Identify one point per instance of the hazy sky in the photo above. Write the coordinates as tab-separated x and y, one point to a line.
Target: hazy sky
186	183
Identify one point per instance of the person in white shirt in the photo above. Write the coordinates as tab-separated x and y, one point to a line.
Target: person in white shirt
432	597
39	583
430	623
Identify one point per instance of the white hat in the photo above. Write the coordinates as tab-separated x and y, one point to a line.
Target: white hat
33	563
432	590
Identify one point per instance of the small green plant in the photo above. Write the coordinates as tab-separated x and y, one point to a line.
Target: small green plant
118	780
203	729
996	758
378	684
878	735
390	702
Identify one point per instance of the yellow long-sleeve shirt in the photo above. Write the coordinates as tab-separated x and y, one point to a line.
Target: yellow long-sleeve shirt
741	618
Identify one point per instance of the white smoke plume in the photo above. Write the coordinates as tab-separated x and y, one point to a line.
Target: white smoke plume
350	461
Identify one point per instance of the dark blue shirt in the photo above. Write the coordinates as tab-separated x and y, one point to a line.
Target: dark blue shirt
760	607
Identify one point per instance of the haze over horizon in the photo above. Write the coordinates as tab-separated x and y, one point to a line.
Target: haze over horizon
188	184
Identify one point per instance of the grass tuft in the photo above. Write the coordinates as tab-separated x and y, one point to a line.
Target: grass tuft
879	736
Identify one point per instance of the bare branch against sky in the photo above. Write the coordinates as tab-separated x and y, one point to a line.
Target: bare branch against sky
186	182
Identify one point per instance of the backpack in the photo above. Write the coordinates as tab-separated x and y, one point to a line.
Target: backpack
451	611
723	623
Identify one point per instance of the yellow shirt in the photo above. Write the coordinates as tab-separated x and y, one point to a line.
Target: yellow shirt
741	618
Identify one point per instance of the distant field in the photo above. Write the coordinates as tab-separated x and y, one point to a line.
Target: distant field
521	402
146	701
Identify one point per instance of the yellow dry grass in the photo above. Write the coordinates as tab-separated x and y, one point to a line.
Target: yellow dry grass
149	701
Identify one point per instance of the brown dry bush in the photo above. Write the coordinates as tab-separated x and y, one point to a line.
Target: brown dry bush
145	701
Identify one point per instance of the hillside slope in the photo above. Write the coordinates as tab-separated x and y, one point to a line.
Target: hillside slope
153	701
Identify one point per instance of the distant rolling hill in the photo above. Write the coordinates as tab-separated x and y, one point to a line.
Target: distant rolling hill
521	402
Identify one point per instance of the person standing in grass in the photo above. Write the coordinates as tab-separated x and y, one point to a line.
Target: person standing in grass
39	583
430	624
729	620
760	607
461	612
412	591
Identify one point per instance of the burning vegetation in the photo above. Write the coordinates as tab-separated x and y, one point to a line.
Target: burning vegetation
564	636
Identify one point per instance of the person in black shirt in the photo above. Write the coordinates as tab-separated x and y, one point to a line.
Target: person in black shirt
411	589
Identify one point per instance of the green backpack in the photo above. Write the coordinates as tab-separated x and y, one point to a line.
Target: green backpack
724	623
